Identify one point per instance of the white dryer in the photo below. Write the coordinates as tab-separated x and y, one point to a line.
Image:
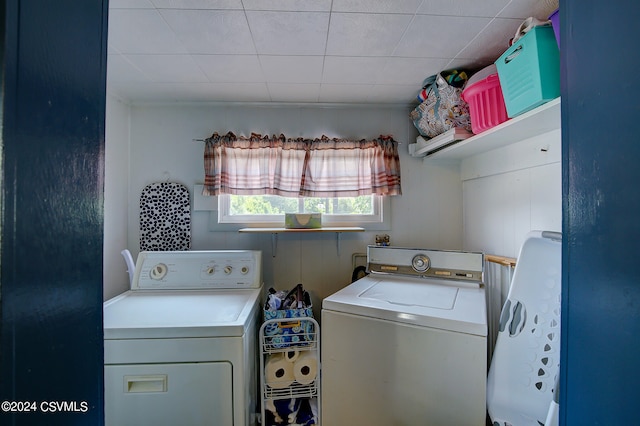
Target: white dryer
180	347
406	345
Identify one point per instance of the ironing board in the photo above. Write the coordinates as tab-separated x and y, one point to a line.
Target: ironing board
165	217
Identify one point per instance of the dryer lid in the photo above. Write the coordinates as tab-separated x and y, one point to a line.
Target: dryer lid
180	314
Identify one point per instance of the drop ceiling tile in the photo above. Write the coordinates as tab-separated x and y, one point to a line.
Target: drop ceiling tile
121	70
198	4
485	8
439	36
288	5
292	69
491	42
192	92
523	9
211	31
168	68
237	92
294	92
112	50
230	68
345	92
141	31
380	6
352	70
130	4
410	71
467	64
361	34
289	33
400	94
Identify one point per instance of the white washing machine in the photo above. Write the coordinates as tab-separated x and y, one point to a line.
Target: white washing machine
180	347
407	344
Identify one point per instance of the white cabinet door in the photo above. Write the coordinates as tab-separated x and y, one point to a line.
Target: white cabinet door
169	394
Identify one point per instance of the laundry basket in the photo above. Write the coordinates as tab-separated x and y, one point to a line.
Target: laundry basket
522	378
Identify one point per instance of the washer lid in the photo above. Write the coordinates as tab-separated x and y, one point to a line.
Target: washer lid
406	294
421	302
173	314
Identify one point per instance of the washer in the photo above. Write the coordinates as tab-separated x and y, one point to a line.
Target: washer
407	344
180	347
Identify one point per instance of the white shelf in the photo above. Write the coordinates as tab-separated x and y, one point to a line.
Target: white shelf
542	119
275	231
286	230
424	147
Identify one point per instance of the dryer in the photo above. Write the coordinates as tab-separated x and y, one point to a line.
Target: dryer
407	344
180	347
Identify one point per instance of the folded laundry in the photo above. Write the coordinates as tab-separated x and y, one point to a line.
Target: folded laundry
295	411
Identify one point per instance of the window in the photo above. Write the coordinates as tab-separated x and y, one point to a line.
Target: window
269	210
259	179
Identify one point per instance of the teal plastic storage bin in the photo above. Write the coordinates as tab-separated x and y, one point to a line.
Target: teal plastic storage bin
529	71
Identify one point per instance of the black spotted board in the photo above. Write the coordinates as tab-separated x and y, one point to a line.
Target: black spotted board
165	217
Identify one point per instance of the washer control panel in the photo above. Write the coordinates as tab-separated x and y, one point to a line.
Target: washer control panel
214	269
441	264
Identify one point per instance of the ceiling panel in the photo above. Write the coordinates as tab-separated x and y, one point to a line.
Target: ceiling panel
289	33
365	34
301	51
231	68
292	69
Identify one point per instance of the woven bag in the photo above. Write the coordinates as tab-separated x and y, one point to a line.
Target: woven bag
442	107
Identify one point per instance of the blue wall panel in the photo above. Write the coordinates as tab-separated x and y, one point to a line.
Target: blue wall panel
52	210
601	201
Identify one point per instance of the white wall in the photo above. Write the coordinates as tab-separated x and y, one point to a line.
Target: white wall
428	214
487	203
511	191
116	196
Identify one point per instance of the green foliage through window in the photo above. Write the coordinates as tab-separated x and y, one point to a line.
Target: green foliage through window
273	205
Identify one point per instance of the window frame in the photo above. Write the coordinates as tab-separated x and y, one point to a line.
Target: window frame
379	220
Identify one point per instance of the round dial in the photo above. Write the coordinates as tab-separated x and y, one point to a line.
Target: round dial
159	271
228	269
420	263
244	270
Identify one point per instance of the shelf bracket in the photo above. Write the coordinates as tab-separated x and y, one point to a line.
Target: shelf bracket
274	244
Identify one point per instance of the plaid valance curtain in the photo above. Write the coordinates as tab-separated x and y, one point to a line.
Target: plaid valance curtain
300	167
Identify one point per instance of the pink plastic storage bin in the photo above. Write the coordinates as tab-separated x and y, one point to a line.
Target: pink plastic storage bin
555	23
486	103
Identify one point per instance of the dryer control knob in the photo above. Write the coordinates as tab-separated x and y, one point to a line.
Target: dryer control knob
228	269
158	272
244	270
